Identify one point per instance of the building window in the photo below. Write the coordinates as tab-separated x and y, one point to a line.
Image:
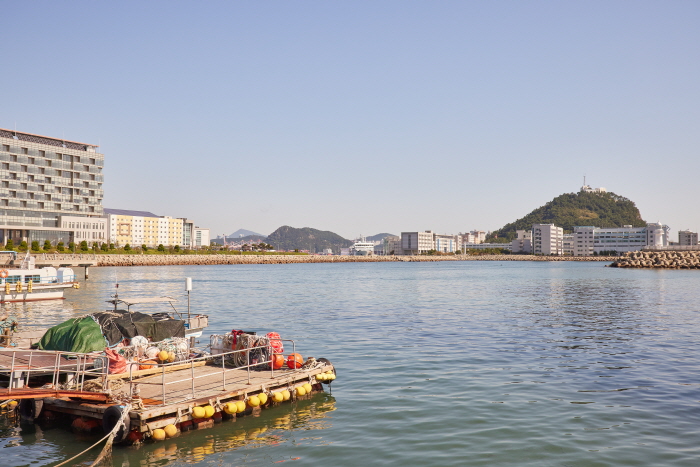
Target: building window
42	153
6	147
13	194
5	166
25	151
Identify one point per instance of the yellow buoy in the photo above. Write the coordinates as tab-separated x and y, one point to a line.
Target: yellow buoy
230	408
170	430
171	357
12	404
301	391
263	398
162	355
321	377
253	401
331	377
158	434
286	395
198	412
240	406
208	411
307	388
277	396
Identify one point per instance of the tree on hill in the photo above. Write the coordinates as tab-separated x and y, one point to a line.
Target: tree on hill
575	209
290	238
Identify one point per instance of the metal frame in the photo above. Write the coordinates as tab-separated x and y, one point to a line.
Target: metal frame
223	373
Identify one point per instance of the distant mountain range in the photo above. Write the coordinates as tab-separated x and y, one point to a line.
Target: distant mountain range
290	238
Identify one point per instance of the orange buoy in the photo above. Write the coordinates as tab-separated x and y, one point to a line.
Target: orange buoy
295	361
277	361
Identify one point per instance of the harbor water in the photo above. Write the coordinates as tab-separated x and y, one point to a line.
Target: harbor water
439	364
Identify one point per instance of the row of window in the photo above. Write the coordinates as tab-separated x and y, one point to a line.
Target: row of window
48	155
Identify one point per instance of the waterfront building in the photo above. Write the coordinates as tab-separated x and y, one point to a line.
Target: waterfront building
447	243
547	239
584	240
568	244
201	237
687	238
188	233
589	240
43	178
89	229
143	228
416	243
392	245
523	242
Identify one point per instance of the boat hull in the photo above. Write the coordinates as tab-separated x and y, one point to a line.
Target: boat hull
38	293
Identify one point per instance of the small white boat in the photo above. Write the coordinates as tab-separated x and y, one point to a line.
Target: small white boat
27	283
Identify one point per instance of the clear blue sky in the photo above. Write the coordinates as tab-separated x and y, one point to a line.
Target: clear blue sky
365	117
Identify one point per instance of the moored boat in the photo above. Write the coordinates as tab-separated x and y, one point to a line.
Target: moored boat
26	283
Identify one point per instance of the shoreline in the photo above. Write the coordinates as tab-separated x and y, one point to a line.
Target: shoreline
202	260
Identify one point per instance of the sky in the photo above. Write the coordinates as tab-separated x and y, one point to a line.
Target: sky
365	117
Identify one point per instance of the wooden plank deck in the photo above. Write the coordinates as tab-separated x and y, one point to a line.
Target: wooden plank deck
38	361
209	389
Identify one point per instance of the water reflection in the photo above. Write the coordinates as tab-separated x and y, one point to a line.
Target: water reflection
274	427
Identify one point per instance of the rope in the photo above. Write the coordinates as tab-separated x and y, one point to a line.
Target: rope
108	445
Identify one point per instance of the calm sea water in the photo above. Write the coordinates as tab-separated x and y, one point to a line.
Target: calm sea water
473	363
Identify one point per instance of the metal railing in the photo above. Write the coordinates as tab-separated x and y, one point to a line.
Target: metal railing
193	378
25	364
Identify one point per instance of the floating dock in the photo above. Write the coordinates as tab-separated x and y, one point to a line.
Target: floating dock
155	398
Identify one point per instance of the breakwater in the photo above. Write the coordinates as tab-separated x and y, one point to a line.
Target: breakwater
659	259
172	260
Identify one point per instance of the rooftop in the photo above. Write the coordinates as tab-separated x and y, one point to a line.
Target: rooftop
126	212
40	139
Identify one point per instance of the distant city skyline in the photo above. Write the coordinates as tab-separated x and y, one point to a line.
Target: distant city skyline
365	117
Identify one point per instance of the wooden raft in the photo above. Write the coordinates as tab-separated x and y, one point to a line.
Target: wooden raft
179	400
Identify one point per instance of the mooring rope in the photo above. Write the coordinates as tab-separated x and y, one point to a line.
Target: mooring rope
108	445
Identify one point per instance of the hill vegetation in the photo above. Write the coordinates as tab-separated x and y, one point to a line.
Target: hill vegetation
290	238
575	209
379	237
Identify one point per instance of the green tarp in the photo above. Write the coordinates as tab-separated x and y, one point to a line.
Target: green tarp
75	335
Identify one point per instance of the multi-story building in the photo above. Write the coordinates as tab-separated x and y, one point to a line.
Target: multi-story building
89	229
43	178
447	243
567	244
416	243
142	228
392	245
687	238
523	242
201	237
589	240
188	233
584	240
547	239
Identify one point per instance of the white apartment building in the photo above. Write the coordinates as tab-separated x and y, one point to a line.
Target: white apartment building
547	239
475	236
523	242
589	240
486	246
143	228
584	240
687	238
568	244
201	237
447	243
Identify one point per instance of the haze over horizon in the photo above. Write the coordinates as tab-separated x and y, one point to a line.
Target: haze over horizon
365	117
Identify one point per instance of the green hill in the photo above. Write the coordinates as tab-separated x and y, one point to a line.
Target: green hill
573	209
289	238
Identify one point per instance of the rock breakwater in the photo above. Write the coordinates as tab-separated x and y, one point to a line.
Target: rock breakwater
659	259
173	260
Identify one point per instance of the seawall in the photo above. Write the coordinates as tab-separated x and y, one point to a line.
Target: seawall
172	260
659	260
